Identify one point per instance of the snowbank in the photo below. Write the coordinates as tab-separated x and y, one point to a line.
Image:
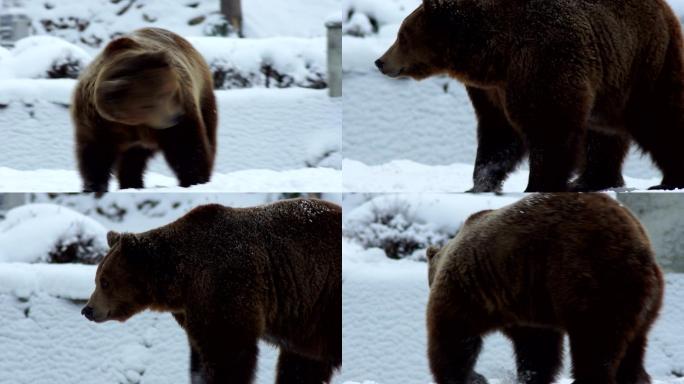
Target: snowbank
261	180
384	325
258	128
410	176
35	233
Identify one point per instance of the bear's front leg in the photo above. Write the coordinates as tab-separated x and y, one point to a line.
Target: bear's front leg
227	346
499	147
95	158
297	369
188	151
196	374
453	348
131	167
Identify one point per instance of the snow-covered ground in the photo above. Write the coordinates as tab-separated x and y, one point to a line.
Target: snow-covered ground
45	339
429	122
262	180
384	300
282	130
411	176
268	119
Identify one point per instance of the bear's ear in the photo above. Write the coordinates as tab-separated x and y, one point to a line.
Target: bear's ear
120	44
113	238
152	60
431	252
431	5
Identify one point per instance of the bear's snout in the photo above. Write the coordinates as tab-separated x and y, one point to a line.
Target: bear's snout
380	64
87	311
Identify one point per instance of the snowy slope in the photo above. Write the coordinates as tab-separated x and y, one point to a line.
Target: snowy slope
384	325
430	122
258	128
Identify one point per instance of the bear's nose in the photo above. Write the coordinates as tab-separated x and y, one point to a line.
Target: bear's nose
87	312
379	63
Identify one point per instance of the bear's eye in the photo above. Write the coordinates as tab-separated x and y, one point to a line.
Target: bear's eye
148	106
104	284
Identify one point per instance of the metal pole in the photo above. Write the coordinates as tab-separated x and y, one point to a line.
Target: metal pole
334	58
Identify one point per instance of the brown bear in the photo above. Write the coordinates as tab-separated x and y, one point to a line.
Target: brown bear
569	82
147	91
544	266
234	276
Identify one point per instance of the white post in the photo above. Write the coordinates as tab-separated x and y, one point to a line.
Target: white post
334	58
13	26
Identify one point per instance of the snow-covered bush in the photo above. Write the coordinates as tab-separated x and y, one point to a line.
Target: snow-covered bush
367	17
36	233
393	226
43	57
277	62
403	225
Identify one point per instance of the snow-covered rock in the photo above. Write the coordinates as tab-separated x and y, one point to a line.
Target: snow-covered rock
35	233
43	57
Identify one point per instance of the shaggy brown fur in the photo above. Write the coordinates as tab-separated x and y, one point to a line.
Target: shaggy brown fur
234	276
147	91
549	264
569	82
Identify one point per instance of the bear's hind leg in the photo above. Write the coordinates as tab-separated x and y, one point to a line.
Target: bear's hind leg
596	353
187	150
499	147
632	369
453	353
131	167
538	353
196	374
296	369
603	162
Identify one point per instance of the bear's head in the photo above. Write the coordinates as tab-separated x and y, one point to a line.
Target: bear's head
432	254
440	36
138	87
121	290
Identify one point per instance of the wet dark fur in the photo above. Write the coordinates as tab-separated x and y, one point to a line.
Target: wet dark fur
234	276
548	265
568	82
189	147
